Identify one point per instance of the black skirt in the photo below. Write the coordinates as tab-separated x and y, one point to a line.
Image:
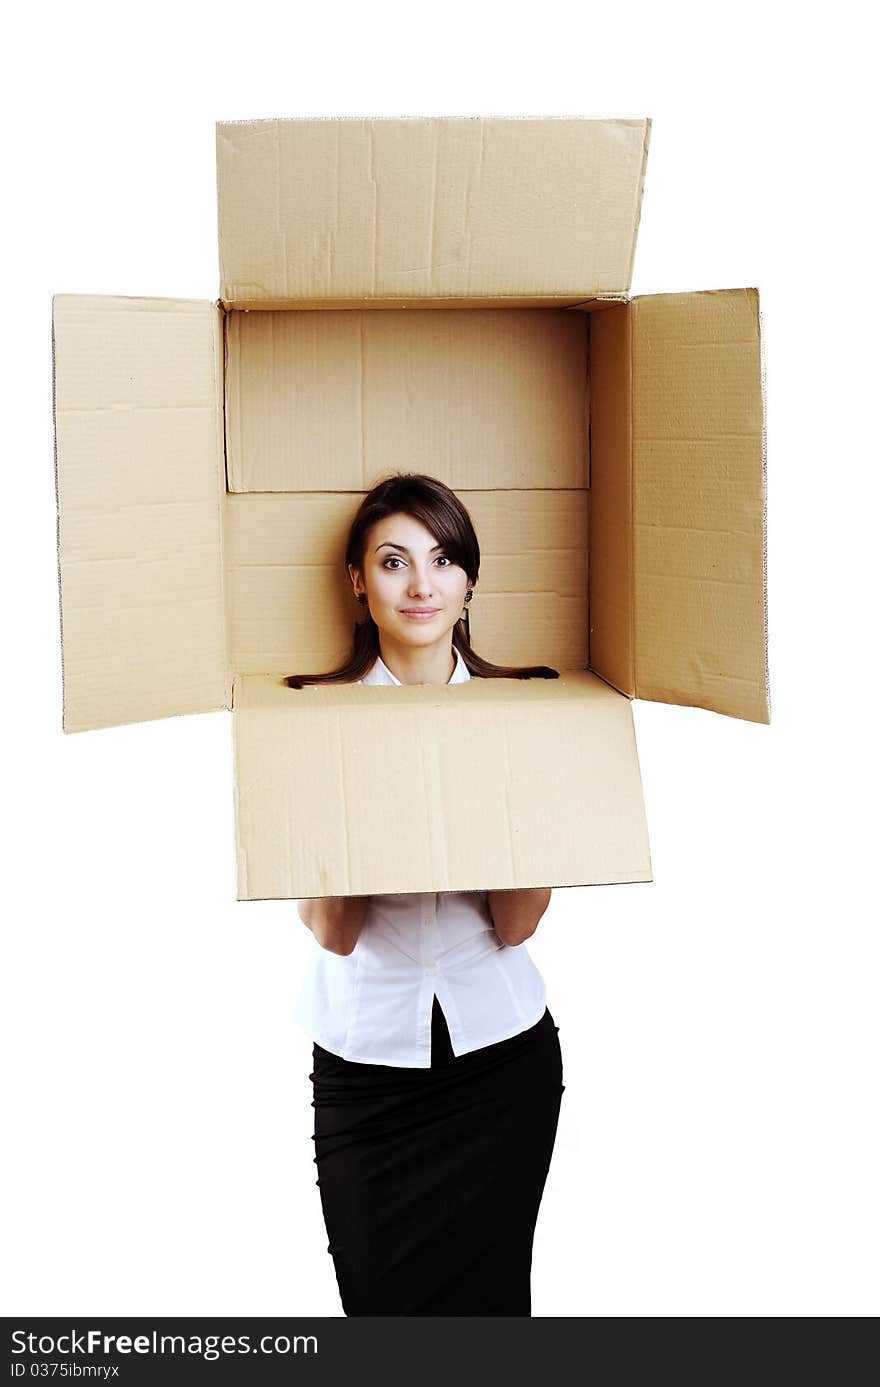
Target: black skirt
431	1179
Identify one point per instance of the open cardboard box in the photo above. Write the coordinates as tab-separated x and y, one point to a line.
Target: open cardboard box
446	296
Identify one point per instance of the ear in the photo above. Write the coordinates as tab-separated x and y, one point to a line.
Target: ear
355	577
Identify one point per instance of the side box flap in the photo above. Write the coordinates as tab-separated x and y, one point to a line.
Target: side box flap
426	207
699	502
139	482
489	784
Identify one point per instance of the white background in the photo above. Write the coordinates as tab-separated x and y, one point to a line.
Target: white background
717	1149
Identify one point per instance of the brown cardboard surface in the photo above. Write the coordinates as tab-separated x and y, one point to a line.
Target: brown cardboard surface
699	502
138	448
357	208
678	602
611	454
574	302
500	783
328	401
291	604
612	623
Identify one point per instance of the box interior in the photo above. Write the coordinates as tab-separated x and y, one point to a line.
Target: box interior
321	404
611	455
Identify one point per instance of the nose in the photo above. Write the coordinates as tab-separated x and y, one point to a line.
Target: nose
419	584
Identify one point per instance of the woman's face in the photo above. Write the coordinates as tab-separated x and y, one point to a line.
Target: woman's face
405	569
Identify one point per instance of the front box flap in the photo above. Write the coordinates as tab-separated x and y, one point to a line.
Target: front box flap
699	597
139	481
489	784
427	207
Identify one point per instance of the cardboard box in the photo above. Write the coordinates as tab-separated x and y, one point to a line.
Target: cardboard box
446	296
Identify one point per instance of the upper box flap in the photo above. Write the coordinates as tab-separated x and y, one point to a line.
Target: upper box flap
699	568
356	209
488	784
138	482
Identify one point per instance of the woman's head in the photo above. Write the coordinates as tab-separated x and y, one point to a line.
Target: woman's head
412	545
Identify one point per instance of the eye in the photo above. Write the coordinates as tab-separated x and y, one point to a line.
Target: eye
396	559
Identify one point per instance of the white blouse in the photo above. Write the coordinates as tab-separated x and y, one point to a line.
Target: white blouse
374	1005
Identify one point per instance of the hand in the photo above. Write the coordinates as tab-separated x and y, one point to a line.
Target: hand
515	914
335	921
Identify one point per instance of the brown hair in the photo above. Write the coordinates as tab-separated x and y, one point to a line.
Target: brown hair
440	511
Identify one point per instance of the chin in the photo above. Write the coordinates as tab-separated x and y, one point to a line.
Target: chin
421	632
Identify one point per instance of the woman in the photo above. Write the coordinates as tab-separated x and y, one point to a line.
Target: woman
437	1069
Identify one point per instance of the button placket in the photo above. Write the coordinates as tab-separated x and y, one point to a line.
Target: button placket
429	907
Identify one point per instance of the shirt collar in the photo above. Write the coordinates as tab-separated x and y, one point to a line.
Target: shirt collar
381	674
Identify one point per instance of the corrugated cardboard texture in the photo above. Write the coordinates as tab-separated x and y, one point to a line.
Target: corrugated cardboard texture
138	485
613	463
699	508
482	398
612	634
575	302
504	784
291	603
351	209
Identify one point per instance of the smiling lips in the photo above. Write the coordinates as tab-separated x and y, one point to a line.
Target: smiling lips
419	613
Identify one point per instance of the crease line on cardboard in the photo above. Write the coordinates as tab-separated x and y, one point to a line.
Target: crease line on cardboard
696	437
423	119
723	678
361	388
640	193
64	726
237	817
611	685
218	357
507	805
128	408
701	579
375	223
762	362
691	529
588	434
630	328
279	229
470	240
634	753
433	217
346	815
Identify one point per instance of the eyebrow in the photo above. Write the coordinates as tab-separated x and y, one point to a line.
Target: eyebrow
389	544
